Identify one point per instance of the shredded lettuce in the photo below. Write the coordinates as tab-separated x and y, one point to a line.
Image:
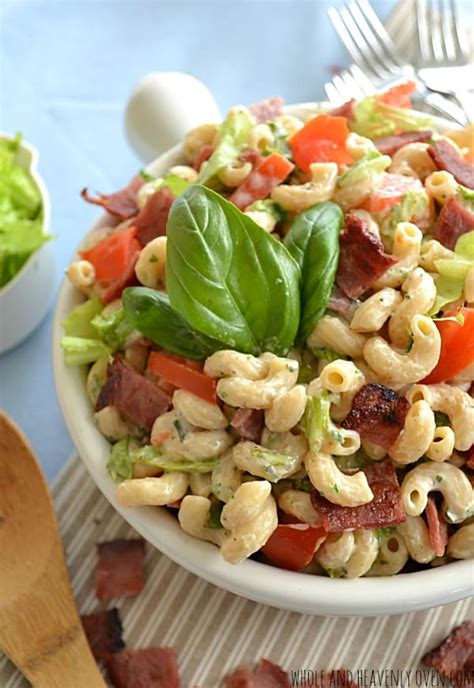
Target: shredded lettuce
412	208
327	354
453	271
79	321
81	350
177	185
120	463
364	170
374	119
233	136
151	456
315	422
273	465
112	328
268	206
21	214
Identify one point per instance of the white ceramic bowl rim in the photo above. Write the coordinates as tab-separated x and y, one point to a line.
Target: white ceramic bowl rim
254	580
32	157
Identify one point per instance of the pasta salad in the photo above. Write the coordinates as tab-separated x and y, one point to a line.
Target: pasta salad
280	337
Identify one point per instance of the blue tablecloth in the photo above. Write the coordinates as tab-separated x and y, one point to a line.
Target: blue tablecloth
66	70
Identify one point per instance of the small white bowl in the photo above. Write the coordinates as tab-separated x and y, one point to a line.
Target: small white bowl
25	299
254	580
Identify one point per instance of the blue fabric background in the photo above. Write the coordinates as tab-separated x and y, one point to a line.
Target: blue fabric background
66	71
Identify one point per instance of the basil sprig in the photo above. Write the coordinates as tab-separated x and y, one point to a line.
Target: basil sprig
313	241
228	278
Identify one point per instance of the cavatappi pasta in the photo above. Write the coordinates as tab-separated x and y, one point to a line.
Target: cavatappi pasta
297	358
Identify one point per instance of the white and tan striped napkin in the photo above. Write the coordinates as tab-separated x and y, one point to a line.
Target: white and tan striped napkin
215	631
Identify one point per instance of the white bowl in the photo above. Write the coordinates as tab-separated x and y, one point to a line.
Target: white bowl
253	580
25	300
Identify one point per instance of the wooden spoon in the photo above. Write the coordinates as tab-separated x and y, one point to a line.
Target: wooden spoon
40	629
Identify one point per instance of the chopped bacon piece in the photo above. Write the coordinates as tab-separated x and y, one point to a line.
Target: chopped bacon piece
388	145
446	157
267	675
437	528
362	259
122	204
251	155
153	667
203	155
267	109
119	571
344	110
454	658
453	220
469	456
151	220
377	414
133	394
104	633
340	303
248	424
386	508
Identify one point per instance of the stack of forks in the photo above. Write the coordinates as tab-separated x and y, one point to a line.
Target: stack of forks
442	69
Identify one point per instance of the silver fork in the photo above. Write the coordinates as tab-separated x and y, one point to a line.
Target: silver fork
443	52
376	56
351	83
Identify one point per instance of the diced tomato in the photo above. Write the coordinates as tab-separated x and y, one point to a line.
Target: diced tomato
273	170
292	546
322	139
112	256
178	372
398	96
457	346
390	192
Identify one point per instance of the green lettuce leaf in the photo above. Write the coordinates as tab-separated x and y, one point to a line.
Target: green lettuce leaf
453	271
375	120
151	456
315	421
79	321
120	463
364	170
112	328
273	465
80	350
233	136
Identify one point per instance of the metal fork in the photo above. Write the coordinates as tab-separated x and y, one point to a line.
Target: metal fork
377	58
443	52
351	83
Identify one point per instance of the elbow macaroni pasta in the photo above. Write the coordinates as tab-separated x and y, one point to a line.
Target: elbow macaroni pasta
337	487
166	489
150	266
296	198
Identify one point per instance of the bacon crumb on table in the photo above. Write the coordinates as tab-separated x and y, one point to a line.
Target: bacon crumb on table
446	157
454	657
152	219
386	508
153	667
388	145
133	394
437	528
362	258
104	633
453	221
120	569
122	204
377	414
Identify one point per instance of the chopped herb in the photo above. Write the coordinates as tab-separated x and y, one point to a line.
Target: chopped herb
180	429
439	478
335	488
441	419
214	519
305	375
153	259
337	436
336	573
327	354
383	533
303	484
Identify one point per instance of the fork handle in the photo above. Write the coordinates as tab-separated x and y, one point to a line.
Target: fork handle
446	107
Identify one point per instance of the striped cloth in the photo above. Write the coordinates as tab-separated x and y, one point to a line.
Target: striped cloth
215	631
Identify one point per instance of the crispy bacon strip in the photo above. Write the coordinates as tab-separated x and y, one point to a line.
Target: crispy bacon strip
119	571
344	110
453	220
133	394
454	658
362	259
152	219
446	157
339	303
121	204
469	456
104	633
153	667
386	508
251	155
267	109
377	414
248	424
437	528
203	155
388	145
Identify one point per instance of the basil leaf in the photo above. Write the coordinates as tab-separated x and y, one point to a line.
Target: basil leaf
313	241
227	277
149	311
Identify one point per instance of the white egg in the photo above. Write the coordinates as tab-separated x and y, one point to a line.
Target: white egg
163	107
